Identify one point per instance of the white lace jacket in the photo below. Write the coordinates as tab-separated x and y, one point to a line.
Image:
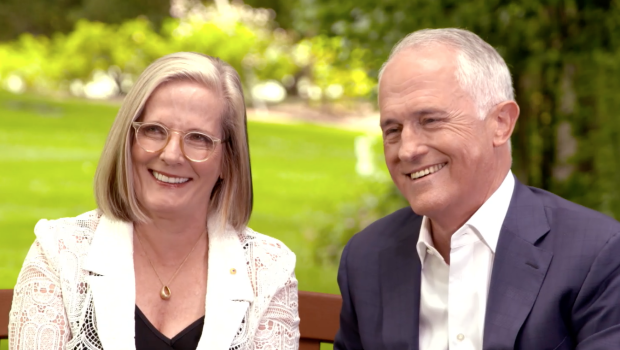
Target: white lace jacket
76	289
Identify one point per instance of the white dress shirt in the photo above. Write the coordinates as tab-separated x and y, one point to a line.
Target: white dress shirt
453	297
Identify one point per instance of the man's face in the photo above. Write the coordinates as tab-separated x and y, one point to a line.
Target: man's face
439	152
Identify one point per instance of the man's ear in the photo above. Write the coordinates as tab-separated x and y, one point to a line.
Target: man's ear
504	117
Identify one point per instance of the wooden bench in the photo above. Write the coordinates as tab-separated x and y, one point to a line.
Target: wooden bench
319	314
6	295
320	318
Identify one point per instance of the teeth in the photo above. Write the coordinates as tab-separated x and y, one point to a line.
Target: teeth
430	170
170	180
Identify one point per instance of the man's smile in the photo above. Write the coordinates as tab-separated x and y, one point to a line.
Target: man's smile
426	171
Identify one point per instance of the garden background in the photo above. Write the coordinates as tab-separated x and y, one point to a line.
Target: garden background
309	71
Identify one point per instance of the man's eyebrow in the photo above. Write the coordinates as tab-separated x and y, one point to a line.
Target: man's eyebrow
427	111
388	121
416	114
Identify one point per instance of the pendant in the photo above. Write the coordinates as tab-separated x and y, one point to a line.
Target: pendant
165	293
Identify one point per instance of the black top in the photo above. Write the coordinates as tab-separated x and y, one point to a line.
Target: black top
149	338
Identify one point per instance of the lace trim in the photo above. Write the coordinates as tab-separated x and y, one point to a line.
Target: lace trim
53	307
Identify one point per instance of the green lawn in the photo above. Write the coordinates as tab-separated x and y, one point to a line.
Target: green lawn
49	150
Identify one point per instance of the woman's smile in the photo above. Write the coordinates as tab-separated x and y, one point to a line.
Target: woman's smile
169	179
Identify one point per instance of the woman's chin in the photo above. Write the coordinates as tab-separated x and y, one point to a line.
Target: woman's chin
164	210
173	209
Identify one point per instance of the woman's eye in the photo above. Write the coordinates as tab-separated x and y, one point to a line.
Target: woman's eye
197	137
199	141
153	129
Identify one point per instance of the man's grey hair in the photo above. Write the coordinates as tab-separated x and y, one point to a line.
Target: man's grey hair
481	71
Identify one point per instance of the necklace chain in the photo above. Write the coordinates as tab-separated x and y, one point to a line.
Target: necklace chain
165	292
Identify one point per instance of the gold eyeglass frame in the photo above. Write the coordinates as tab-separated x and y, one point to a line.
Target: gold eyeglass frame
169	131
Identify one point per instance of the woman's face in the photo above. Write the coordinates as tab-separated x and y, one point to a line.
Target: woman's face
166	182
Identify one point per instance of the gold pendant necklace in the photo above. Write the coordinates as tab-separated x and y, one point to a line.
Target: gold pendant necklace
165	293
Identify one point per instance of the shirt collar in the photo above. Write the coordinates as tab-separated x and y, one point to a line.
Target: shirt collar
487	221
425	241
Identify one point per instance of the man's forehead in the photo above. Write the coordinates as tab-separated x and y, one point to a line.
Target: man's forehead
418	68
424	59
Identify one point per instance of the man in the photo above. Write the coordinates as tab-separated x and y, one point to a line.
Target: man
478	261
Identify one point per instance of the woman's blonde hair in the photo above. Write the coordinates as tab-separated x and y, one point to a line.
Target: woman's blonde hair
231	199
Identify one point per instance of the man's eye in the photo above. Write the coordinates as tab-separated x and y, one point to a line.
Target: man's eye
391	135
426	121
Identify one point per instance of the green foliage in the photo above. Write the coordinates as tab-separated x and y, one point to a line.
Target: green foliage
46	63
45	17
376	197
565	60
50	148
243	37
564	57
335	229
332	61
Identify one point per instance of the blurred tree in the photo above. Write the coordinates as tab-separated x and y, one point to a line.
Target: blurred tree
282	8
39	17
116	11
46	17
564	58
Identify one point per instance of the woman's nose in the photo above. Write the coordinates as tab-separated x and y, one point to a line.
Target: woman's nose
173	152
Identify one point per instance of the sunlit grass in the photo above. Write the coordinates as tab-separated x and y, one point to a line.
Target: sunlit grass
49	151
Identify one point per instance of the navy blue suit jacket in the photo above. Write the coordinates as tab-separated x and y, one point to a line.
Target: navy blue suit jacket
555	282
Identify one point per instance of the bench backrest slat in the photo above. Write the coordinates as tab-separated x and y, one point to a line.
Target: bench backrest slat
6	296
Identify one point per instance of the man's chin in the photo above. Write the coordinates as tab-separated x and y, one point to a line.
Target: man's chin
425	207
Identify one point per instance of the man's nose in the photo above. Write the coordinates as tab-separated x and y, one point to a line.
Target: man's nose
173	152
412	144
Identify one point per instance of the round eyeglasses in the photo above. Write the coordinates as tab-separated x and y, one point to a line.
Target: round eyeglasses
154	137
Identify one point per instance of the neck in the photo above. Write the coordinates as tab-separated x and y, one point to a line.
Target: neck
453	217
171	239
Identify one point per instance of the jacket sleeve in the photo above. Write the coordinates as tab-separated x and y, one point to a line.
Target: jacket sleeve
38	319
348	337
596	312
278	328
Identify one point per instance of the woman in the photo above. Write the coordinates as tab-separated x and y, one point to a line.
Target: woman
167	261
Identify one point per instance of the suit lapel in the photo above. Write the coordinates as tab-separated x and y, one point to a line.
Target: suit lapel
400	288
112	282
518	270
229	291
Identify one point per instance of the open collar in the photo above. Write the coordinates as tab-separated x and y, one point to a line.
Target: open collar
486	222
112	281
229	290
